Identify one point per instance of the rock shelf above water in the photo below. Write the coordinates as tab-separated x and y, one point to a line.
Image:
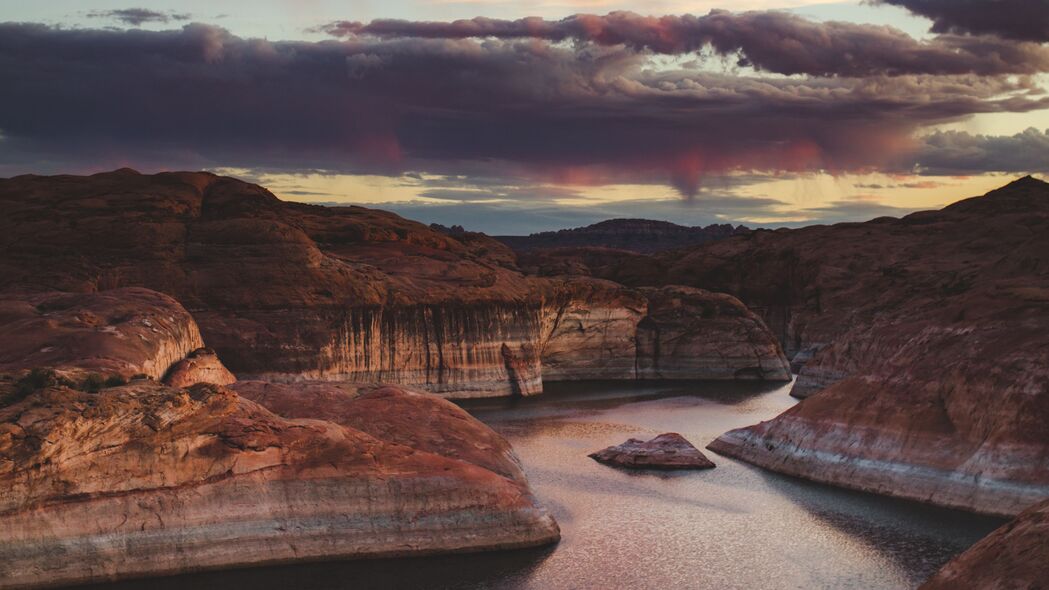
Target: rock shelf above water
666	451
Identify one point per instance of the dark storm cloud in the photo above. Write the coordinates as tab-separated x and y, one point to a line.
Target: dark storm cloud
957	152
138	16
77	100
1026	20
770	41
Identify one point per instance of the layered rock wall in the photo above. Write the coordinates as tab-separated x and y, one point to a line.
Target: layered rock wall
144	480
455	350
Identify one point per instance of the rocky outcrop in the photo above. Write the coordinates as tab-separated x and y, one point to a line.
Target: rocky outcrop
666	451
1014	557
200	366
291	292
635	235
144	480
933	385
599	330
691	332
117	333
392	414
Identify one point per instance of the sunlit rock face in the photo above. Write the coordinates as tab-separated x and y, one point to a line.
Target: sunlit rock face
932	383
590	331
1013	556
117	333
421	421
291	292
144	480
484	349
200	366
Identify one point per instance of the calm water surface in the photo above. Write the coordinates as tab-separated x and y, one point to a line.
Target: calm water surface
735	526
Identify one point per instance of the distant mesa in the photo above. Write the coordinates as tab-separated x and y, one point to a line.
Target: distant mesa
635	235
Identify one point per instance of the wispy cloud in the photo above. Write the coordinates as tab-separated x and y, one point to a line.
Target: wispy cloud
139	16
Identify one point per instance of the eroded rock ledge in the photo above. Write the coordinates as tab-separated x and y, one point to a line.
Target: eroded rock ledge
146	480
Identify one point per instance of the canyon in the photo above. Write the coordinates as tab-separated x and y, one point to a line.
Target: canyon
186	333
292	292
194	375
922	345
108	473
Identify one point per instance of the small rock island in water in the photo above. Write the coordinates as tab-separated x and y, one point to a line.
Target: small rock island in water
666	451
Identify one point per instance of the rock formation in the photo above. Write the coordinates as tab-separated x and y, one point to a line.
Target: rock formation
634	235
931	340
200	366
118	333
695	332
666	451
104	480
145	480
1014	557
424	422
927	338
292	292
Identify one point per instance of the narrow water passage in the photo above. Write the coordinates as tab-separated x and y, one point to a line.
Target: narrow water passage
735	526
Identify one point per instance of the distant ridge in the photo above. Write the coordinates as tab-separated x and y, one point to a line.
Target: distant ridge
637	235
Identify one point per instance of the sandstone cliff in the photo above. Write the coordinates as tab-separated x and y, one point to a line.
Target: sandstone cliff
1014	557
148	480
117	333
933	337
291	292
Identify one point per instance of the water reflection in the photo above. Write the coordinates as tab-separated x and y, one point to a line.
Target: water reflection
732	527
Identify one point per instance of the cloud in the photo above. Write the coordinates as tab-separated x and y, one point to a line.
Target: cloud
958	152
79	99
139	16
1026	20
771	41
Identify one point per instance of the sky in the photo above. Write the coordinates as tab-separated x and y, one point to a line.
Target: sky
514	117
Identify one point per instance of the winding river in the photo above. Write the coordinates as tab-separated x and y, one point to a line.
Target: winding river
735	526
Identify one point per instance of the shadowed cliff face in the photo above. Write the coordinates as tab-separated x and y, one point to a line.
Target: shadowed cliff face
1014	556
933	336
289	292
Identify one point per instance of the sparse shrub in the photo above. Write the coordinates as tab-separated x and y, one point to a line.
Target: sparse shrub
140	377
35	380
92	383
115	381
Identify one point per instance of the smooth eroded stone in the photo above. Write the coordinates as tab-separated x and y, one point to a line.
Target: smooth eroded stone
1014	556
200	366
666	451
148	480
120	332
